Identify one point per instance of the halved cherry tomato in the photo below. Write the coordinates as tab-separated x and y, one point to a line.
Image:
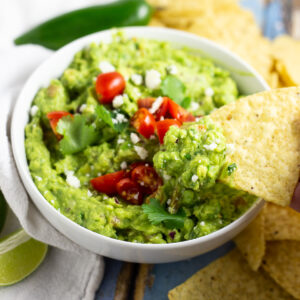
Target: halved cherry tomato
107	183
144	122
161	111
54	118
109	85
163	126
137	164
179	113
146	177
130	191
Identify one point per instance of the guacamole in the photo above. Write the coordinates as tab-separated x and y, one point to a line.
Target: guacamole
121	143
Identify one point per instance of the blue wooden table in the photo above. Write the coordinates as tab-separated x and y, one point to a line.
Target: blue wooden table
164	277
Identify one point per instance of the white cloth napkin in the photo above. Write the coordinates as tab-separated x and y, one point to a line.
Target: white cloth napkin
69	272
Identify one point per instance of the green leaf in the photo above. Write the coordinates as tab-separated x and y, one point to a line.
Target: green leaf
104	115
186	102
231	168
77	135
107	116
173	88
157	214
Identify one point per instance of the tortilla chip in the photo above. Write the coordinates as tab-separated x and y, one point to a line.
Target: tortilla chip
251	242
156	22
282	262
240	35
264	130
286	53
228	278
281	223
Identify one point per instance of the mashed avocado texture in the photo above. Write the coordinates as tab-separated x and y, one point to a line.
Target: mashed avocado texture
98	141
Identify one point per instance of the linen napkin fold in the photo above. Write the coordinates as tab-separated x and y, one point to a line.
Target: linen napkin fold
69	271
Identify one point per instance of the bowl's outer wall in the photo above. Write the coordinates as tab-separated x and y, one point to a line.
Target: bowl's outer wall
249	82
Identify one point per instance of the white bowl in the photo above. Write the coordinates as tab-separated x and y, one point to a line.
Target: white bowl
249	82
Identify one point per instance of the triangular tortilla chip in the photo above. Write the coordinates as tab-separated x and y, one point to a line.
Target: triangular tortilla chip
251	242
229	278
281	223
264	130
282	262
286	53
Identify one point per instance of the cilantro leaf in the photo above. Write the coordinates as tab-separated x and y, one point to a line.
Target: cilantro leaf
186	102
173	88
108	116
231	168
77	135
156	214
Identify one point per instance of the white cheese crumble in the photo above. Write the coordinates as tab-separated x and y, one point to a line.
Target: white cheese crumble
106	67
152	79
209	92
72	180
120	118
156	105
172	69
161	118
137	79
198	119
34	109
211	147
142	153
194	105
202	223
137	92
169	201
136	196
134	138
89	193
120	141
82	107
167	177
123	165
194	178
152	137
118	101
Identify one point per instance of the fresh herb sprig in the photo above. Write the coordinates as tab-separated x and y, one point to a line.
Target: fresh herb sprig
157	214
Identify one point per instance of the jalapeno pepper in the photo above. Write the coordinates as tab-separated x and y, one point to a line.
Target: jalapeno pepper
65	28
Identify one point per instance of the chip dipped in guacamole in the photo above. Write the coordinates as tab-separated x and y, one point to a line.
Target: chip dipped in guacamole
122	143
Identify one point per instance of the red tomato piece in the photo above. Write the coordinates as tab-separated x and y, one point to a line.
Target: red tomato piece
146	177
145	102
130	191
137	164
144	122
163	126
107	183
161	111
179	113
109	85
54	118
